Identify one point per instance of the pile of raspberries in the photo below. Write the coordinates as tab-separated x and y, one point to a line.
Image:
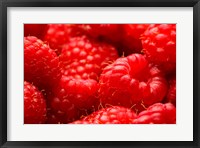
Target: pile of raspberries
100	74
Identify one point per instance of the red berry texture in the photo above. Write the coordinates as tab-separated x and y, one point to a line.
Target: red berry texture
100	73
157	114
41	64
159	45
34	105
83	58
72	98
110	115
132	82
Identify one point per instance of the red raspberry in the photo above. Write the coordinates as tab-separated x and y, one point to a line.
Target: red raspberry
58	34
72	99
157	114
34	105
159	45
132	82
37	30
131	37
110	32
41	64
83	58
110	115
171	94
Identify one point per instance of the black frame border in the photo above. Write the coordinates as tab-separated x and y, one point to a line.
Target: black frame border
99	3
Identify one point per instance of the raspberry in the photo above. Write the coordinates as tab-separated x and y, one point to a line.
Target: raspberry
41	64
157	114
159	45
84	58
132	82
171	94
72	99
76	95
131	37
58	34
34	105
110	115
37	30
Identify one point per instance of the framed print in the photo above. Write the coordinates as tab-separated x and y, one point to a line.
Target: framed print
99	73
